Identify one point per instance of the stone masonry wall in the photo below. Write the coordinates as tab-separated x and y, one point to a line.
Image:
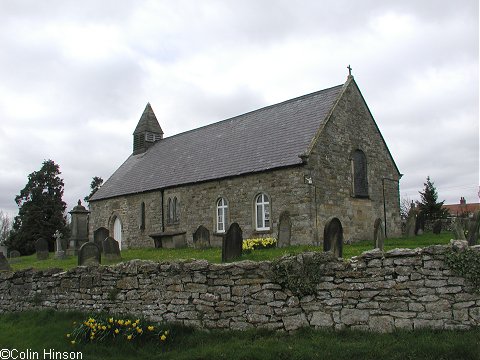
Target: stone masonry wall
286	189
400	289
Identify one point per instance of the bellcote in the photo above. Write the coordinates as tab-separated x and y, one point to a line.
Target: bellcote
147	132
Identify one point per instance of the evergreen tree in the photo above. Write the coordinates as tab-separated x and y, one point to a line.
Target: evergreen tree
429	208
41	210
94	186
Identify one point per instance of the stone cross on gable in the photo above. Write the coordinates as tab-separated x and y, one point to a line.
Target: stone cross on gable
349	70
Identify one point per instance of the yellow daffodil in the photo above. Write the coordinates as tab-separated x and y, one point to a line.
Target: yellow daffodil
110	320
163	338
150	328
120	322
68	335
139	330
116	331
166	332
129	337
72	342
128	322
134	324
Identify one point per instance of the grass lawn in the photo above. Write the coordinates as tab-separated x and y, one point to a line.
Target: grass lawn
214	255
41	330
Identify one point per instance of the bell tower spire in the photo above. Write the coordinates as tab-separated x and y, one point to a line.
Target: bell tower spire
147	132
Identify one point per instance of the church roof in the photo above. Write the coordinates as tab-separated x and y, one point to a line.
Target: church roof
271	137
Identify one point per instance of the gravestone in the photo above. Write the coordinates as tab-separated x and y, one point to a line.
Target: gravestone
59	251
411	221
458	231
4	265
111	249
41	248
201	238
284	229
333	237
79	226
378	234
473	229
437	227
14	254
232	243
99	236
4	250
89	254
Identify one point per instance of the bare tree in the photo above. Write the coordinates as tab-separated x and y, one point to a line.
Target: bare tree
405	204
5	226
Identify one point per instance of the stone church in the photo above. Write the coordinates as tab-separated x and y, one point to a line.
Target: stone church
292	166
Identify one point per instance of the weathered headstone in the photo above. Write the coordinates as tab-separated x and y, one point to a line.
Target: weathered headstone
99	236
14	254
473	229
284	229
437	227
111	249
4	265
378	234
458	231
333	237
79	227
232	243
411	221
41	248
60	251
89	254
201	238
4	250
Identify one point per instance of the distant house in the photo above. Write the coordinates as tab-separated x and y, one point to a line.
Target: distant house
462	209
304	161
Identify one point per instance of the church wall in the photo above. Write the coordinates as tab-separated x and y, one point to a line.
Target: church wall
196	206
351	127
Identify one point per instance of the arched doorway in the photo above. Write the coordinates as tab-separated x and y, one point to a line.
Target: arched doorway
117	231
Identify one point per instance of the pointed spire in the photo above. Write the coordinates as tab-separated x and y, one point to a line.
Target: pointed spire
148	122
147	132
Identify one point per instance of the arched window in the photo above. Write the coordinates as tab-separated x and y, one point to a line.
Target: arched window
176	216
170	214
262	212
360	181
142	216
222	209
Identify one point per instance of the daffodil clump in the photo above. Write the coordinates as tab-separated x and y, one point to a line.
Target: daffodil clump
249	245
104	328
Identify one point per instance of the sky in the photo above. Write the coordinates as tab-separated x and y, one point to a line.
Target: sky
75	77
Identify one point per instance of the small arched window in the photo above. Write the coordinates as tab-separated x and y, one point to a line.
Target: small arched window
262	212
360	181
142	216
222	208
170	214
176	216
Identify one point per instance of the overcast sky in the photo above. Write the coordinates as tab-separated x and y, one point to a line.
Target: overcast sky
75	77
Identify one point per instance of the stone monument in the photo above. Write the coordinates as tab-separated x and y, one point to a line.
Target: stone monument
378	234
89	254
473	229
60	251
333	237
41	248
232	243
411	221
284	229
201	238
111	249
79	228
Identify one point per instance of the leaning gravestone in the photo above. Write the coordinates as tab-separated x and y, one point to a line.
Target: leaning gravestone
458	231
111	249
473	229
232	243
14	254
333	237
89	254
99	236
437	227
378	234
41	248
4	265
201	238
284	229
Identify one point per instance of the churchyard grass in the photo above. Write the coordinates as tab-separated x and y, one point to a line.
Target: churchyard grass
44	330
214	254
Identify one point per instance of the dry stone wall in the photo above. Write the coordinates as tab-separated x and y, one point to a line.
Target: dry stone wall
400	289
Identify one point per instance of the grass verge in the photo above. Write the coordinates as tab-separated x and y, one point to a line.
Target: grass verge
44	330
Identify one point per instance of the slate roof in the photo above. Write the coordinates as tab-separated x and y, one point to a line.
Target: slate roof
264	139
148	122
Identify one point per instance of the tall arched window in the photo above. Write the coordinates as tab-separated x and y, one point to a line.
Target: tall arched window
170	214
262	212
176	216
222	208
360	181
142	216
